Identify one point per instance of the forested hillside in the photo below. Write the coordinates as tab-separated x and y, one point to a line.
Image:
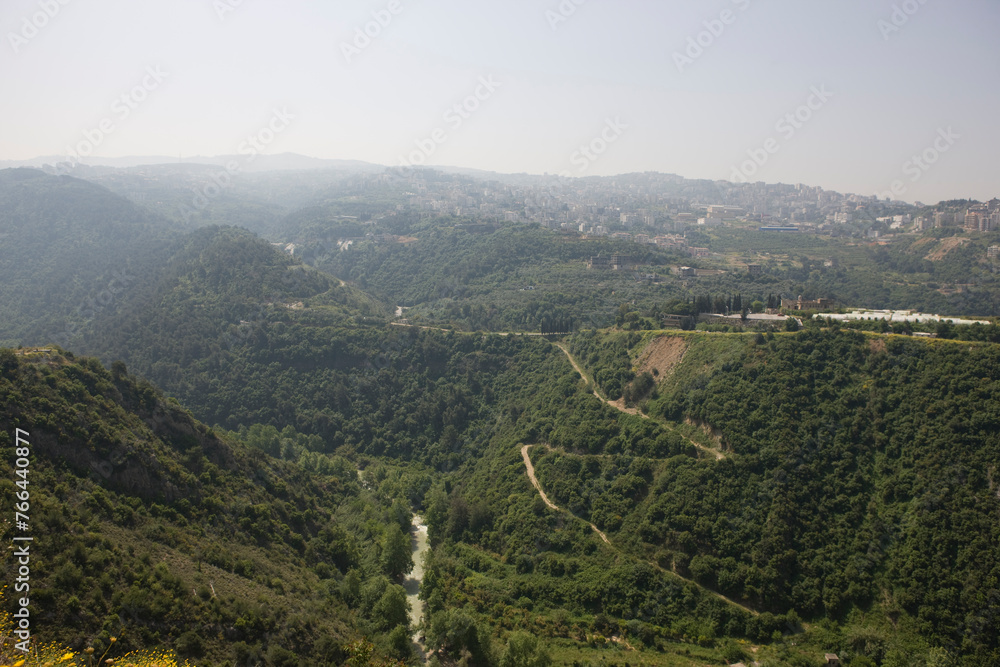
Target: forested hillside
698	497
858	485
216	291
72	253
487	277
939	271
172	535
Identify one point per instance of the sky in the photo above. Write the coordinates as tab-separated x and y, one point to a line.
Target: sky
870	97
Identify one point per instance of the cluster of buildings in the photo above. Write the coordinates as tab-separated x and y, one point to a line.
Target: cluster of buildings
649	206
983	217
976	218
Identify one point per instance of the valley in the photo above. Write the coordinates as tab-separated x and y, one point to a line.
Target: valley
393	453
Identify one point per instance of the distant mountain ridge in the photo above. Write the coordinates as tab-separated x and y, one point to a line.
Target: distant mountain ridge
261	162
81	248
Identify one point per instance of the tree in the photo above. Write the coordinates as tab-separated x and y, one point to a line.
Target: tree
361	656
456	632
400	643
396	558
8	361
524	650
392	610
458	516
118	370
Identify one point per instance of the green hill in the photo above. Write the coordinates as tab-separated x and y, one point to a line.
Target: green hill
73	253
722	497
151	527
857	489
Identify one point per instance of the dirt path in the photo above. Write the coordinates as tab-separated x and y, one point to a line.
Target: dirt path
576	366
538	487
620	405
545	498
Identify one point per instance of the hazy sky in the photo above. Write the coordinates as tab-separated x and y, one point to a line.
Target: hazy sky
626	77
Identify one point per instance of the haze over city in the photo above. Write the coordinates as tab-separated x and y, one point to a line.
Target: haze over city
888	98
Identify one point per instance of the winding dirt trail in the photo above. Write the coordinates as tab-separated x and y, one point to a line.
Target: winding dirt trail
620	405
545	498
541	492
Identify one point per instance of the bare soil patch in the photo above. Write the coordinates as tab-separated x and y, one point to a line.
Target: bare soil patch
946	246
662	355
709	430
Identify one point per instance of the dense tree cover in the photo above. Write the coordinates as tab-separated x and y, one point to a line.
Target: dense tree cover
495	278
398	392
440	398
946	329
861	476
150	505
504	563
215	290
515	277
897	275
608	357
218	333
73	251
857	490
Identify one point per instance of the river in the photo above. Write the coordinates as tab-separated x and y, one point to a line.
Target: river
420	545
